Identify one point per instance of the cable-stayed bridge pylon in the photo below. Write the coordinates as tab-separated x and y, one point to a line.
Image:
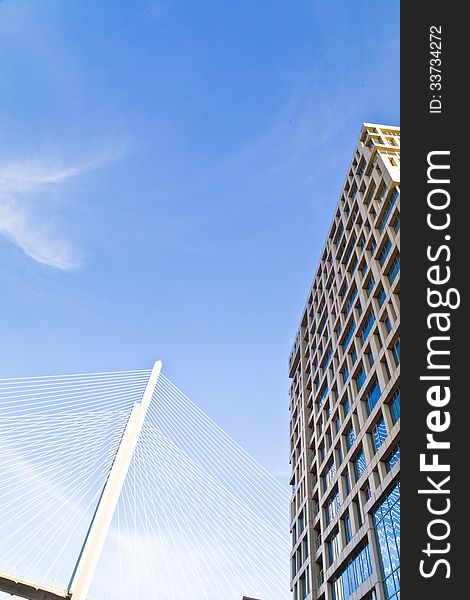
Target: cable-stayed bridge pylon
116	485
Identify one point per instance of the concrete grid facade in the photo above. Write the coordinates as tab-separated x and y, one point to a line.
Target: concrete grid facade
344	396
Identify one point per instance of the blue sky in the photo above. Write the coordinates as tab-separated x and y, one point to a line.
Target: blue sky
168	173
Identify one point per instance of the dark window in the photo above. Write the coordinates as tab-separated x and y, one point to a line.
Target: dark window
388	209
353	355
367	326
394	269
372	396
350	437
381	295
337	423
348	334
396	352
347	529
395	406
360	378
384	252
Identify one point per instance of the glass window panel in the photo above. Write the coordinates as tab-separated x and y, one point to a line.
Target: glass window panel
379	433
387	529
393	458
395	406
350	437
372	396
359	465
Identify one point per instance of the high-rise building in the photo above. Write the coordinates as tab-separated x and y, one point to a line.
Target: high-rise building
345	395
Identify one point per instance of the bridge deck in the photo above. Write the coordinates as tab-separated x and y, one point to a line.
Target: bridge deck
28	589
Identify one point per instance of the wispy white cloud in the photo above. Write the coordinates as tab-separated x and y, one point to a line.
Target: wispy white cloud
28	209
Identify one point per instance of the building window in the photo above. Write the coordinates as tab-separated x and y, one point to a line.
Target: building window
388	324
347	255
360	378
386	369
353	266
358	307
300	523
395	406
350	302
327	359
387	529
359	465
388	209
353	576
381	295
371	193
329	474
357	508
340	234
362	168
393	458
353	355
306	549
347	529
372	396
394	269
367	326
334	548
346	406
332	507
323	395
348	335
337	423
340	454
345	373
382	193
347	483
396	352
370	357
350	437
303	587
384	252
379	433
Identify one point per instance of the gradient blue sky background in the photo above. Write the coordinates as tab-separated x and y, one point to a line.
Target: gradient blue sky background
168	174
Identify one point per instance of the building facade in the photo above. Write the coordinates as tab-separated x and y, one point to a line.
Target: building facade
345	396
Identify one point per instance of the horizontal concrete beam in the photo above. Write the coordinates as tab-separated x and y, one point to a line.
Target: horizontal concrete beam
28	589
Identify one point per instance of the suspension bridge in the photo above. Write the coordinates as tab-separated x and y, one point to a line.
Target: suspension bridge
116	485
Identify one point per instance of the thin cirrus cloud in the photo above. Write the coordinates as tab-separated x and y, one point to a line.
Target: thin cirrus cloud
30	193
